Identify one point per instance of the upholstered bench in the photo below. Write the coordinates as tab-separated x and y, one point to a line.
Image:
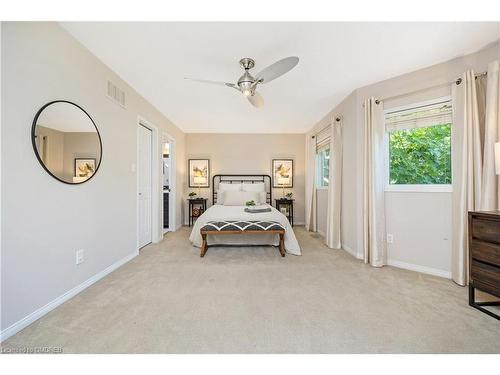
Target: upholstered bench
242	227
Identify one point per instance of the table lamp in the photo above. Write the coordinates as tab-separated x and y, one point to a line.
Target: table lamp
199	181
283	181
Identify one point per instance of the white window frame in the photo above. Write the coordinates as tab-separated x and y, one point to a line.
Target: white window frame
412	188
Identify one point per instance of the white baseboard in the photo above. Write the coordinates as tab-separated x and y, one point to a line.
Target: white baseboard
352	252
37	314
421	269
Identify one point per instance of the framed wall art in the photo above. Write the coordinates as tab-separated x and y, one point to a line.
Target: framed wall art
199	173
282	173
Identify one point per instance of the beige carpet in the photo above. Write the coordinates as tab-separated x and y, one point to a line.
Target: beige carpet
250	300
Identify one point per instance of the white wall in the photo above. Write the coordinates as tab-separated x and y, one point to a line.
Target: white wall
43	220
251	153
418	243
421	226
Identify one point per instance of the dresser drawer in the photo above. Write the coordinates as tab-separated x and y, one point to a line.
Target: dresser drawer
485	251
486	274
486	230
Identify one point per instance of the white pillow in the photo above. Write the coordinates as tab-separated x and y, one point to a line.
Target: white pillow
239	198
220	197
259	186
262	197
229	187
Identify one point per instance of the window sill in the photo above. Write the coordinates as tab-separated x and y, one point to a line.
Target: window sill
321	187
419	188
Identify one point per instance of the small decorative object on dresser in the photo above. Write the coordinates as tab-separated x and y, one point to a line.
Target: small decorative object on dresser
484	258
196	207
285	206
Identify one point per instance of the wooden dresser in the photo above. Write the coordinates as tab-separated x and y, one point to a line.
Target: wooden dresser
484	257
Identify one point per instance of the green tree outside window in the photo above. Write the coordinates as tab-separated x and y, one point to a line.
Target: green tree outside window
420	155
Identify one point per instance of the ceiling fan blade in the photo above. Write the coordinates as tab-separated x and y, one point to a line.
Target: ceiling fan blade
212	82
277	69
256	99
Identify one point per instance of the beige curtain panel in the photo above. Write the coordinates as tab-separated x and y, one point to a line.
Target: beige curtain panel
467	144
490	184
375	252
332	237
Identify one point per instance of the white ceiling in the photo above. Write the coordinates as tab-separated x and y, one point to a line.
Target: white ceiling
335	58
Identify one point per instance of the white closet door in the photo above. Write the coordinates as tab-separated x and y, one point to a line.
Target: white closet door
144	176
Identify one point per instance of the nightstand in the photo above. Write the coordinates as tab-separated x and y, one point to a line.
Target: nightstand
285	206
196	207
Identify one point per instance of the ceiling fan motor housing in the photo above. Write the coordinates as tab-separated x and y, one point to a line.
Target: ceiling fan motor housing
247	63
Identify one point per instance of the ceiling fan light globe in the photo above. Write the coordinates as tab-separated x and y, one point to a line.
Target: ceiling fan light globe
247	92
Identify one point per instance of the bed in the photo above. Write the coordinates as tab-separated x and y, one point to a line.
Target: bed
219	213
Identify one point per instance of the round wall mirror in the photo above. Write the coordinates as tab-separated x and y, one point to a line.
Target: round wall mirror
66	142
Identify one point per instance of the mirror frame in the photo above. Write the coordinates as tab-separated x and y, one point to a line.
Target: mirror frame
33	141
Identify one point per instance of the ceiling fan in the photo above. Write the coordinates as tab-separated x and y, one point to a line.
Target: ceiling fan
247	84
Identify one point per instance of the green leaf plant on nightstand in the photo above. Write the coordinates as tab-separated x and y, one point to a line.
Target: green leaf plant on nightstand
289	195
192	195
250	203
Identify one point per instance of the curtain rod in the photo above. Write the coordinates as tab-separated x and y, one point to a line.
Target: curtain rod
337	119
458	81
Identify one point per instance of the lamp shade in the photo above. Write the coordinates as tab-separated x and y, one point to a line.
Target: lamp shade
200	180
283	180
497	157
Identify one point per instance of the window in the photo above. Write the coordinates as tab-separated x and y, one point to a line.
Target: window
323	158
323	167
419	145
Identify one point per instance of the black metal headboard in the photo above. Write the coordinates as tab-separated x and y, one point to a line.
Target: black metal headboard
244	179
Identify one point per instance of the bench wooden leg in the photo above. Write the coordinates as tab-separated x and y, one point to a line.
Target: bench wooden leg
282	244
204	245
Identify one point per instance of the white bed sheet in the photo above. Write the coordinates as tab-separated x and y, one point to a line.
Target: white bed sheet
218	212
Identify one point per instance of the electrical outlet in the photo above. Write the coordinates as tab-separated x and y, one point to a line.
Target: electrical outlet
80	256
390	238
